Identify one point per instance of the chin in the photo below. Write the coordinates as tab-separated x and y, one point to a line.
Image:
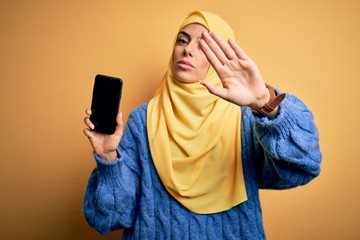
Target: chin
185	79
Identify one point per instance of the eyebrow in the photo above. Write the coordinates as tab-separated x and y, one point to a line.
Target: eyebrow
185	33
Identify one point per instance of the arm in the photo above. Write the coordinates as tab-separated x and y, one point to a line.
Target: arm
287	147
286	140
111	195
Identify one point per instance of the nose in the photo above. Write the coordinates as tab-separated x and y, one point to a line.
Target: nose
190	48
188	51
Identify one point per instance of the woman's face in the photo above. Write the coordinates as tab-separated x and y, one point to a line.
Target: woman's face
189	61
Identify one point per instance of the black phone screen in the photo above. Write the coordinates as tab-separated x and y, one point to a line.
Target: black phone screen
105	103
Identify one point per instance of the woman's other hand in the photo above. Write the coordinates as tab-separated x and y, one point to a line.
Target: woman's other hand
104	145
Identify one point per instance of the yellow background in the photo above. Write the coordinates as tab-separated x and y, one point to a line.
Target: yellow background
50	52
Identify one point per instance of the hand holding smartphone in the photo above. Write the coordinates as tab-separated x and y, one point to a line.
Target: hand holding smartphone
105	103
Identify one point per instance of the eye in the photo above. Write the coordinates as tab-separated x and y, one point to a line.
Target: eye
182	41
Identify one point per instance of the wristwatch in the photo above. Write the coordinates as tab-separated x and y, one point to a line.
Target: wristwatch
273	102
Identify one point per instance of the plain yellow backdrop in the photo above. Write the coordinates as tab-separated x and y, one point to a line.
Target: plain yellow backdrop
50	52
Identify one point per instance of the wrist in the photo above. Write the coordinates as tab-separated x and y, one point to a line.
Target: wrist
271	106
109	156
261	101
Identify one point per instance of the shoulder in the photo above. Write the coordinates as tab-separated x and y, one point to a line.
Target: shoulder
137	118
139	113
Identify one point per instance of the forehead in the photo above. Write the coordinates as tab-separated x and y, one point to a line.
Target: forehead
193	29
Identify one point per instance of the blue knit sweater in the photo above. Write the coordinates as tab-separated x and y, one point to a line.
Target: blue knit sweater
127	194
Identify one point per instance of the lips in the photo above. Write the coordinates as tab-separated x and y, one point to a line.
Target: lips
185	64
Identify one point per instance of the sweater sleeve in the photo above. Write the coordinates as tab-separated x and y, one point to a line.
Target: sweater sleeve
287	147
111	196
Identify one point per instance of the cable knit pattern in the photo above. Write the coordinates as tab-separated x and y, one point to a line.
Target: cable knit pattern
127	194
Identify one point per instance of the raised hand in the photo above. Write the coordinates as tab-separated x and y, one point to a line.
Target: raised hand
241	79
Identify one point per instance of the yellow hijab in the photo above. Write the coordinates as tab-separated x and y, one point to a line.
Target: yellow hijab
194	137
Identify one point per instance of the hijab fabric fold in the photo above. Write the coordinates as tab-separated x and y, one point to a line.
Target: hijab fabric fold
194	137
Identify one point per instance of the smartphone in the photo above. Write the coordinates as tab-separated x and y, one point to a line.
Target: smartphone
105	103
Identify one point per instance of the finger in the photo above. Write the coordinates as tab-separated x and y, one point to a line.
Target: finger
213	89
226	49
88	111
212	50
88	133
88	123
238	50
212	58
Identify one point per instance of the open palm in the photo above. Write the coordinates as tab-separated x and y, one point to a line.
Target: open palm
241	79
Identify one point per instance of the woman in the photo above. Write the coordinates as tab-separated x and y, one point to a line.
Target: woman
190	163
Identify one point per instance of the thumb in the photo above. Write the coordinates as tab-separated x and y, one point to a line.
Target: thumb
120	122
209	85
212	88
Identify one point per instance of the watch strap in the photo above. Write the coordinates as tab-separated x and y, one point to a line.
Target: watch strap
273	102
